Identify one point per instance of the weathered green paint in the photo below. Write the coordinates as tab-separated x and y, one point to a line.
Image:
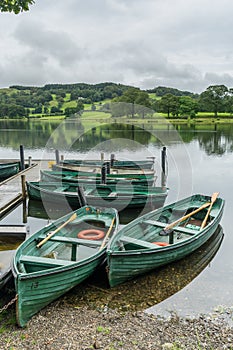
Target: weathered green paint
8	170
116	196
132	251
44	274
130	164
92	178
85	170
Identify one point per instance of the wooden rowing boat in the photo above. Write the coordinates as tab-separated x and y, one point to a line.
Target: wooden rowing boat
86	170
11	236
116	196
130	164
146	243
55	259
92	178
8	169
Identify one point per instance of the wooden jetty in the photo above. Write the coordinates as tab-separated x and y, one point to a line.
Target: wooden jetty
11	189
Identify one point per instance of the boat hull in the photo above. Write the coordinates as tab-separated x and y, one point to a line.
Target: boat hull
126	265
75	177
45	267
100	195
8	169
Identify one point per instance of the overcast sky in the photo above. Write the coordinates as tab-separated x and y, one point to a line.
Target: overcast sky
186	44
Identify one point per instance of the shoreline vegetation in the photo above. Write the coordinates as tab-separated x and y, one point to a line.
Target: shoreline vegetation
157	118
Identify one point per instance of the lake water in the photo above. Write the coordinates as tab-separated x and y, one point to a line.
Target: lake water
199	160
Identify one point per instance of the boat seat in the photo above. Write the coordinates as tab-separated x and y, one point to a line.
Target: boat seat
155	223
89	191
176	228
188	231
112	194
138	242
60	189
37	260
74	240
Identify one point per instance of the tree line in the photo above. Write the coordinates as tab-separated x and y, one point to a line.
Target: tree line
68	99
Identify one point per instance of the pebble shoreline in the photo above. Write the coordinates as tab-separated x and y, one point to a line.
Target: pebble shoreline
67	327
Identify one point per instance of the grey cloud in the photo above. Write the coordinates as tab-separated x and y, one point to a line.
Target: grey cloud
184	44
56	44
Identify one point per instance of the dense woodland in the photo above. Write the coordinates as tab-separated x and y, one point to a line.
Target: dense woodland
71	99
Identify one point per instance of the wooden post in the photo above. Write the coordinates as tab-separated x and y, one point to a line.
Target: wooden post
29	161
103	174
112	159
107	165
57	156
163	163
21	151
102	156
23	183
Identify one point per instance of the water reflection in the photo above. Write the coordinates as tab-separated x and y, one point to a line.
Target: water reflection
8	244
150	289
80	136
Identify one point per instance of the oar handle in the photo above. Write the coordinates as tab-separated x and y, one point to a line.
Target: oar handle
213	199
71	218
107	234
174	223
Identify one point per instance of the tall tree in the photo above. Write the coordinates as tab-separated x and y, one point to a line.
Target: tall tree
169	104
214	98
187	106
134	97
15	6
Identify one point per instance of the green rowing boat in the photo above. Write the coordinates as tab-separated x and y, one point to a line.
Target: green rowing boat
86	170
116	196
8	169
162	236
59	257
92	178
130	164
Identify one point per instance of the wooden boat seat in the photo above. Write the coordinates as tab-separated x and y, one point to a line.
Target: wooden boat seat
60	189
88	191
188	231
75	241
176	228
138	242
155	223
112	194
37	260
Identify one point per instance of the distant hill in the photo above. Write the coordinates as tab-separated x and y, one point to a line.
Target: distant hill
163	90
60	99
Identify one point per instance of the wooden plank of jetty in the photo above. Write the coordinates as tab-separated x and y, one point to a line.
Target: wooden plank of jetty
11	189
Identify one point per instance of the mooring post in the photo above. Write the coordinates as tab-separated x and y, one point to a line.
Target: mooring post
57	156
23	184
103	174
102	156
107	164
112	159
29	161
82	197
21	151
163	162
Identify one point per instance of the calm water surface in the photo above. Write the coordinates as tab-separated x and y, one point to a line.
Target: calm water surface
199	160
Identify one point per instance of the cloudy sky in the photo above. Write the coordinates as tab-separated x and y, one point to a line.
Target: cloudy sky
186	44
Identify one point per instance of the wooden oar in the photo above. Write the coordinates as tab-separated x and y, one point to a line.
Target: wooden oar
107	234
174	223
71	218
213	199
